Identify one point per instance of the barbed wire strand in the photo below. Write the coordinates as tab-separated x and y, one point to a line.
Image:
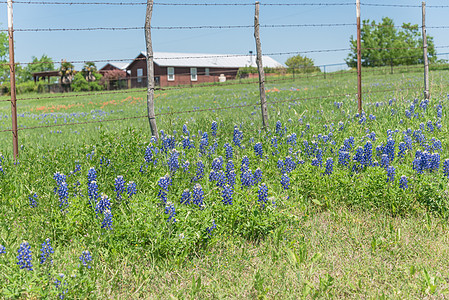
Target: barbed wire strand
178	4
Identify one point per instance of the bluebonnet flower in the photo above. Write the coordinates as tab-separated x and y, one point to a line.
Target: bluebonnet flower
199	171
274	144
434	162
237	138
402	147
2	249
390	173
102	205
343	157
217	164
289	164
360	157
245	164
131	189
197	195
213	176
119	186
86	258
150	153
368	153
280	165
184	129
92	191
107	220
204	142
187	143
389	149
278	128
315	162
91	175
257	176
221	179
329	166
319	156
59	285
258	149
185	166
186	196
227	194
213	128
229	151
384	161
446	168
341	126
211	229
173	161
46	252
163	183
59	177
291	139
33	200
229	166
430	126
263	194
403	182
285	181
24	256
247	179
231	178
171	212
63	193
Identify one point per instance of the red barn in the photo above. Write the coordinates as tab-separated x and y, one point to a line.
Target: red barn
172	69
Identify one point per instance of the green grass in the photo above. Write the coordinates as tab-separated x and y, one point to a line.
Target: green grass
344	235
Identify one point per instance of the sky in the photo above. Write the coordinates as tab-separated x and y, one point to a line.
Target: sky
127	44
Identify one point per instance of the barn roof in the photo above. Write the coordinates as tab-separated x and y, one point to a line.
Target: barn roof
171	59
118	65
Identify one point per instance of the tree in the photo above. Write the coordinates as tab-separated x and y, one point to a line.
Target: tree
301	63
89	69
42	64
399	46
4	50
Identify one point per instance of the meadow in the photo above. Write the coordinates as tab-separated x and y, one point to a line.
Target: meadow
326	203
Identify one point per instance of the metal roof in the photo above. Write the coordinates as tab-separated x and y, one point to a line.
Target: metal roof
169	59
119	65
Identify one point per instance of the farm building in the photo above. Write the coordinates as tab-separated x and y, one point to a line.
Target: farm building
172	69
115	76
119	66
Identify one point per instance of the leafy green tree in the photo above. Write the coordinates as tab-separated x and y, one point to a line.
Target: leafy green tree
302	64
399	46
42	64
4	50
89	70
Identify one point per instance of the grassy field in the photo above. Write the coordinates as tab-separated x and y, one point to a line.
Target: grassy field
328	215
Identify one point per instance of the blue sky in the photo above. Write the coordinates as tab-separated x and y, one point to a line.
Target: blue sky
110	45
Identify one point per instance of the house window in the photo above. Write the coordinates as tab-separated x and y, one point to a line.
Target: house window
206	72
139	75
193	74
170	74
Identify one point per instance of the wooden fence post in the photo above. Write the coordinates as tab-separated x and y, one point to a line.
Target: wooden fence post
263	99
426	61
12	80
359	60
150	71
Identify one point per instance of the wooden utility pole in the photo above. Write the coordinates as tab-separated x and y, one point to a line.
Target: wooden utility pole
12	80
426	60
359	60
263	99
150	71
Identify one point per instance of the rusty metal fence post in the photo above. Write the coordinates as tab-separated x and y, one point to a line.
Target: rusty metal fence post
12	80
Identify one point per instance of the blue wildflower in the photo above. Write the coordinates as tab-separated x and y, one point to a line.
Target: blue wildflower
329	166
171	212
86	258
258	149
107	220
197	195
446	168
227	195
2	249
245	164
384	161
289	164
91	175
163	183
24	256
247	179
213	128
63	192
173	161
211	229
257	176
390	173
403	182
46	252
285	181
33	200
131	189
186	196
92	191
102	205
229	151
119	186
263	194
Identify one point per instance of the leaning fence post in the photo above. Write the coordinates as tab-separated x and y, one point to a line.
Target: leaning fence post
150	71
426	60
12	80
263	99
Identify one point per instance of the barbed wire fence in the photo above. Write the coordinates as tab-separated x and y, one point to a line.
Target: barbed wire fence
261	80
